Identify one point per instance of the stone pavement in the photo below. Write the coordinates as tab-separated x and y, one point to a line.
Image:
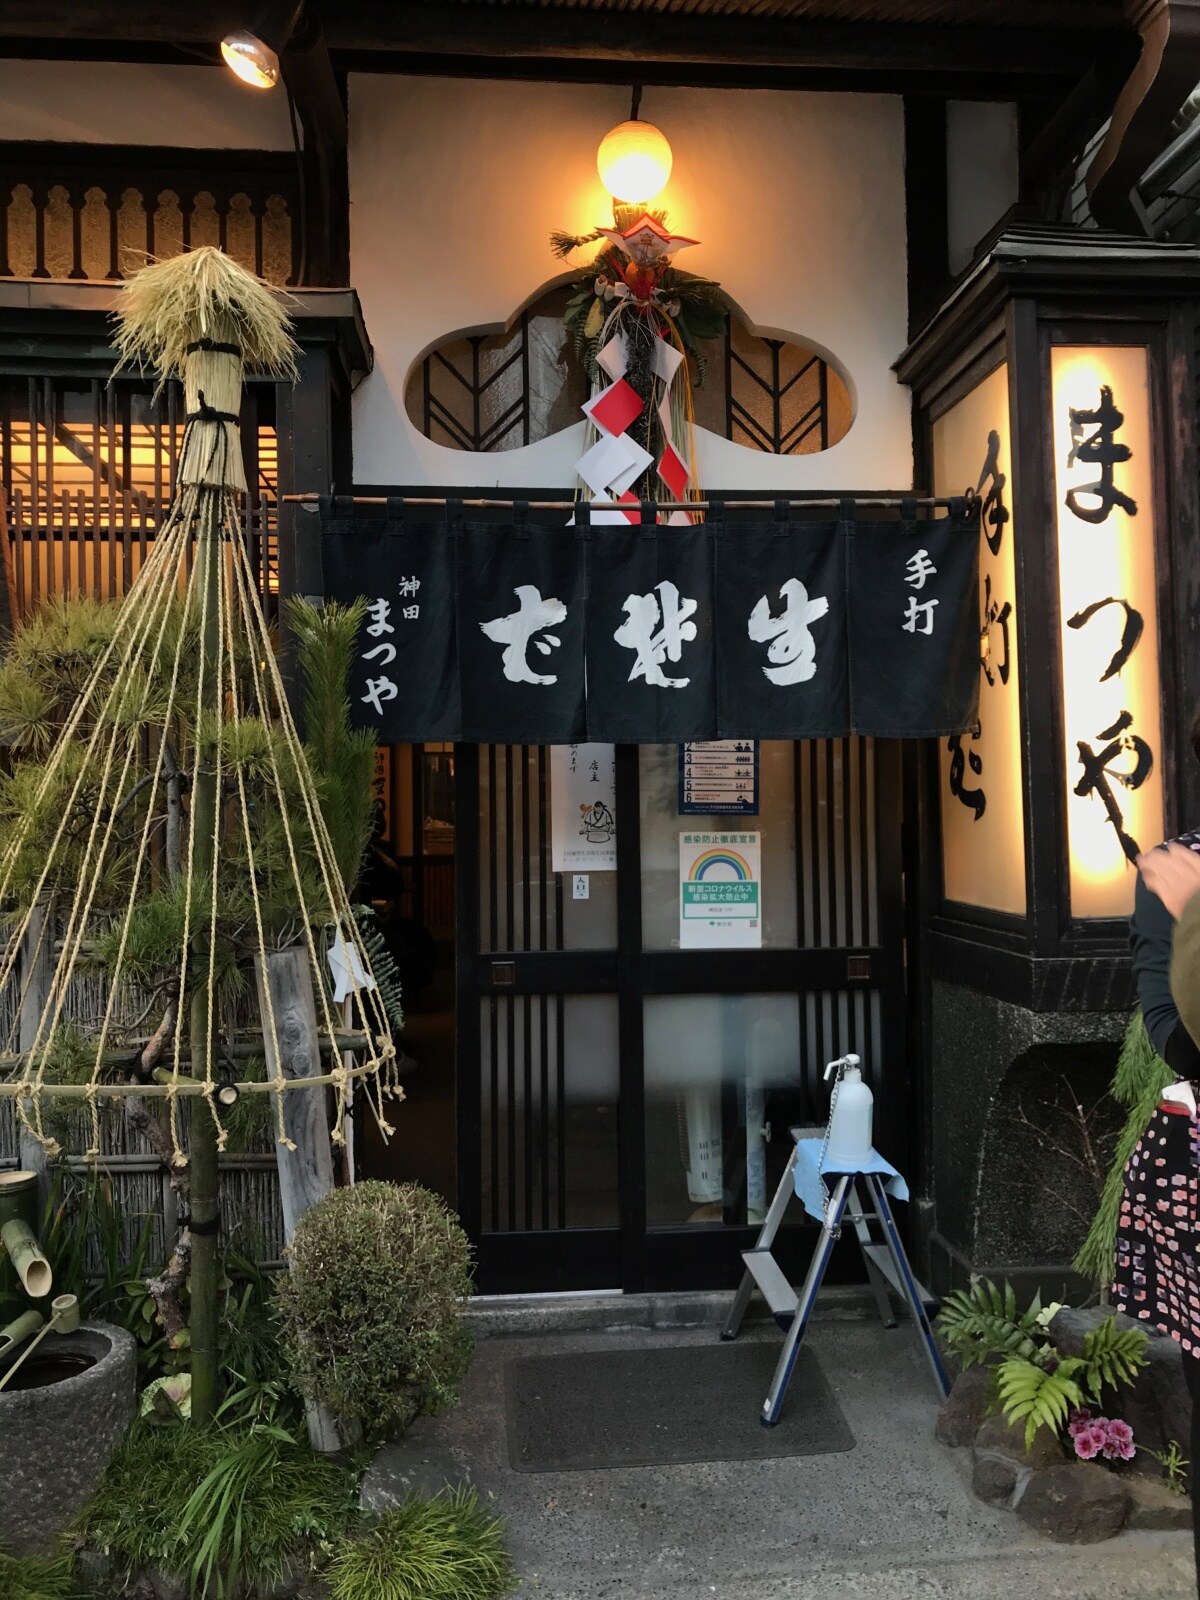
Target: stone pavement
891	1519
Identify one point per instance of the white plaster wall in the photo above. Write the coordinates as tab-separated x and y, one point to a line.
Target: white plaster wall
101	102
981	172
798	200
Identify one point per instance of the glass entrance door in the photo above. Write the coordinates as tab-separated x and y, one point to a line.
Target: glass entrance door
625	1092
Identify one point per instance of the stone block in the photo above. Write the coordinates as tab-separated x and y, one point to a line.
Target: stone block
1074	1503
994	1478
419	1463
995	1437
1154	1507
59	1438
964	1412
1156	1405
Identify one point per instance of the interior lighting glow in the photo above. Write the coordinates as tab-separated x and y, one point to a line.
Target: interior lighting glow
634	162
249	59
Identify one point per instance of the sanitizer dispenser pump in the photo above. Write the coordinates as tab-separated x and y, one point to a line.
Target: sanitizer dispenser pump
848	1142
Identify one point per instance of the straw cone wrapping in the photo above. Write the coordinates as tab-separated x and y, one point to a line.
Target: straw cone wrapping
203	295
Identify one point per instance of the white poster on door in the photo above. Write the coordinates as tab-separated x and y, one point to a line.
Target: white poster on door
583	807
720	891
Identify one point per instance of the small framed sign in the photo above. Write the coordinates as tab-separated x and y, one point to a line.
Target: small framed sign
719	778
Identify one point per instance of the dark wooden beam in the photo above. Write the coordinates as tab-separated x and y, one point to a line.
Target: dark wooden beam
926	206
985	60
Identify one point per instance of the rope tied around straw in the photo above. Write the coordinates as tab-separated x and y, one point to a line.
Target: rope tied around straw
192	631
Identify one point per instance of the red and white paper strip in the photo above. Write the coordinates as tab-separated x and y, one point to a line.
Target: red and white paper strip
615	461
614	408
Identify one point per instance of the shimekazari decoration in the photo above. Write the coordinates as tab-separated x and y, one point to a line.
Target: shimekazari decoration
638	322
186	840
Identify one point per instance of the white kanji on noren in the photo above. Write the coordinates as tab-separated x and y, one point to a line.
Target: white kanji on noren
919	616
379	611
379	690
384	649
919	568
643	614
519	629
792	650
408	585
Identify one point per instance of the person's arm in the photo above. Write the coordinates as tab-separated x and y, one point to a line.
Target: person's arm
1168	876
1185	973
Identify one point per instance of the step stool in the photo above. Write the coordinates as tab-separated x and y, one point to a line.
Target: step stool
886	1263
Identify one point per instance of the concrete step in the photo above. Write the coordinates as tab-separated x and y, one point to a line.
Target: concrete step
493	1316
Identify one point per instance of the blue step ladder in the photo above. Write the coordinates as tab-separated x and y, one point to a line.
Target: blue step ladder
886	1263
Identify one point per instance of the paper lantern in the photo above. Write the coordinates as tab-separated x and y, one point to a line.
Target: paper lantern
634	161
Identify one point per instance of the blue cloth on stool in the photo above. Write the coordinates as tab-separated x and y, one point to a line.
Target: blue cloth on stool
807	1174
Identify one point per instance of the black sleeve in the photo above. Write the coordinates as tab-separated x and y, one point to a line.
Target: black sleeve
1150	934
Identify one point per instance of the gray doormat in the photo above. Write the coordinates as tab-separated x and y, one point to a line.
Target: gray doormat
663	1407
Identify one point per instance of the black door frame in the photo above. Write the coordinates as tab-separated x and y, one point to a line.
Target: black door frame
631	1256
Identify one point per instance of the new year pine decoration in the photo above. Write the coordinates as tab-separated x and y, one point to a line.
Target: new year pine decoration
169	837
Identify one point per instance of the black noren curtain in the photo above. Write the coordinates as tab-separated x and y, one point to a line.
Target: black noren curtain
782	628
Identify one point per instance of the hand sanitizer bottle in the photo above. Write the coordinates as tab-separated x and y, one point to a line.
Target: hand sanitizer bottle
850	1123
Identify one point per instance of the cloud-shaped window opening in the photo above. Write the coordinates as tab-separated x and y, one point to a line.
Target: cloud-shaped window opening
511	386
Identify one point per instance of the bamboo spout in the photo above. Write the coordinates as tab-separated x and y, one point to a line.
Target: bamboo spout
18	1330
31	1265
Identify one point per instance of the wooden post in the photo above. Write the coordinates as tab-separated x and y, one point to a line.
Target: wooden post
305	1173
36	962
205	1314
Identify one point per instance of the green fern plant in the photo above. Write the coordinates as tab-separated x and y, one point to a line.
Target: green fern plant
983	1321
1040	1398
1112	1356
383	966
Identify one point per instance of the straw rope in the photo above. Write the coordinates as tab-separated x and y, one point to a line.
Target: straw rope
122	736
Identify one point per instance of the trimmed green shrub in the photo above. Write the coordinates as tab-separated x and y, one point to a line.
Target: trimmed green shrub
371	1312
446	1548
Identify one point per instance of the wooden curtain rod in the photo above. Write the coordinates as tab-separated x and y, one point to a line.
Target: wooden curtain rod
621	505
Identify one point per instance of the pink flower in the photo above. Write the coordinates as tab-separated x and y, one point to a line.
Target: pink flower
1119	1445
1088	1443
1080	1420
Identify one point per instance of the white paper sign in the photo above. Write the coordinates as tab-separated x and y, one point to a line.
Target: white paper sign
583	807
720	891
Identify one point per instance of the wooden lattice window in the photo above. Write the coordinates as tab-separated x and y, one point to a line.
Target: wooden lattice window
516	385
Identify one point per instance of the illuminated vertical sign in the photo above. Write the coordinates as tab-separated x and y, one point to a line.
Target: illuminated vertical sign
983	839
1105	522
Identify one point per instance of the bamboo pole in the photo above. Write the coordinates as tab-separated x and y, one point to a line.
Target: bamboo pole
29	1264
18	1330
204	1317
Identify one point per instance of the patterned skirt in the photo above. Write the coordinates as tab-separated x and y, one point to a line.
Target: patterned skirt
1158	1275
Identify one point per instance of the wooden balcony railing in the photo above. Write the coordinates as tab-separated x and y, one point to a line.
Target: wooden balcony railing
97	211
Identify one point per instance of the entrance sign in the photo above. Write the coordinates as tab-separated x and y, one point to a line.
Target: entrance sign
719	891
583	808
511	632
719	778
1106	514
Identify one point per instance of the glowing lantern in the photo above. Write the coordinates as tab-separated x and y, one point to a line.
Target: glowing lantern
634	162
249	59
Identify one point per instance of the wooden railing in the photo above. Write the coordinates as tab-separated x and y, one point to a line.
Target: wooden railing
96	211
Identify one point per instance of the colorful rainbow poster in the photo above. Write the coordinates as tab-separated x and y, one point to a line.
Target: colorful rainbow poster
719	891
